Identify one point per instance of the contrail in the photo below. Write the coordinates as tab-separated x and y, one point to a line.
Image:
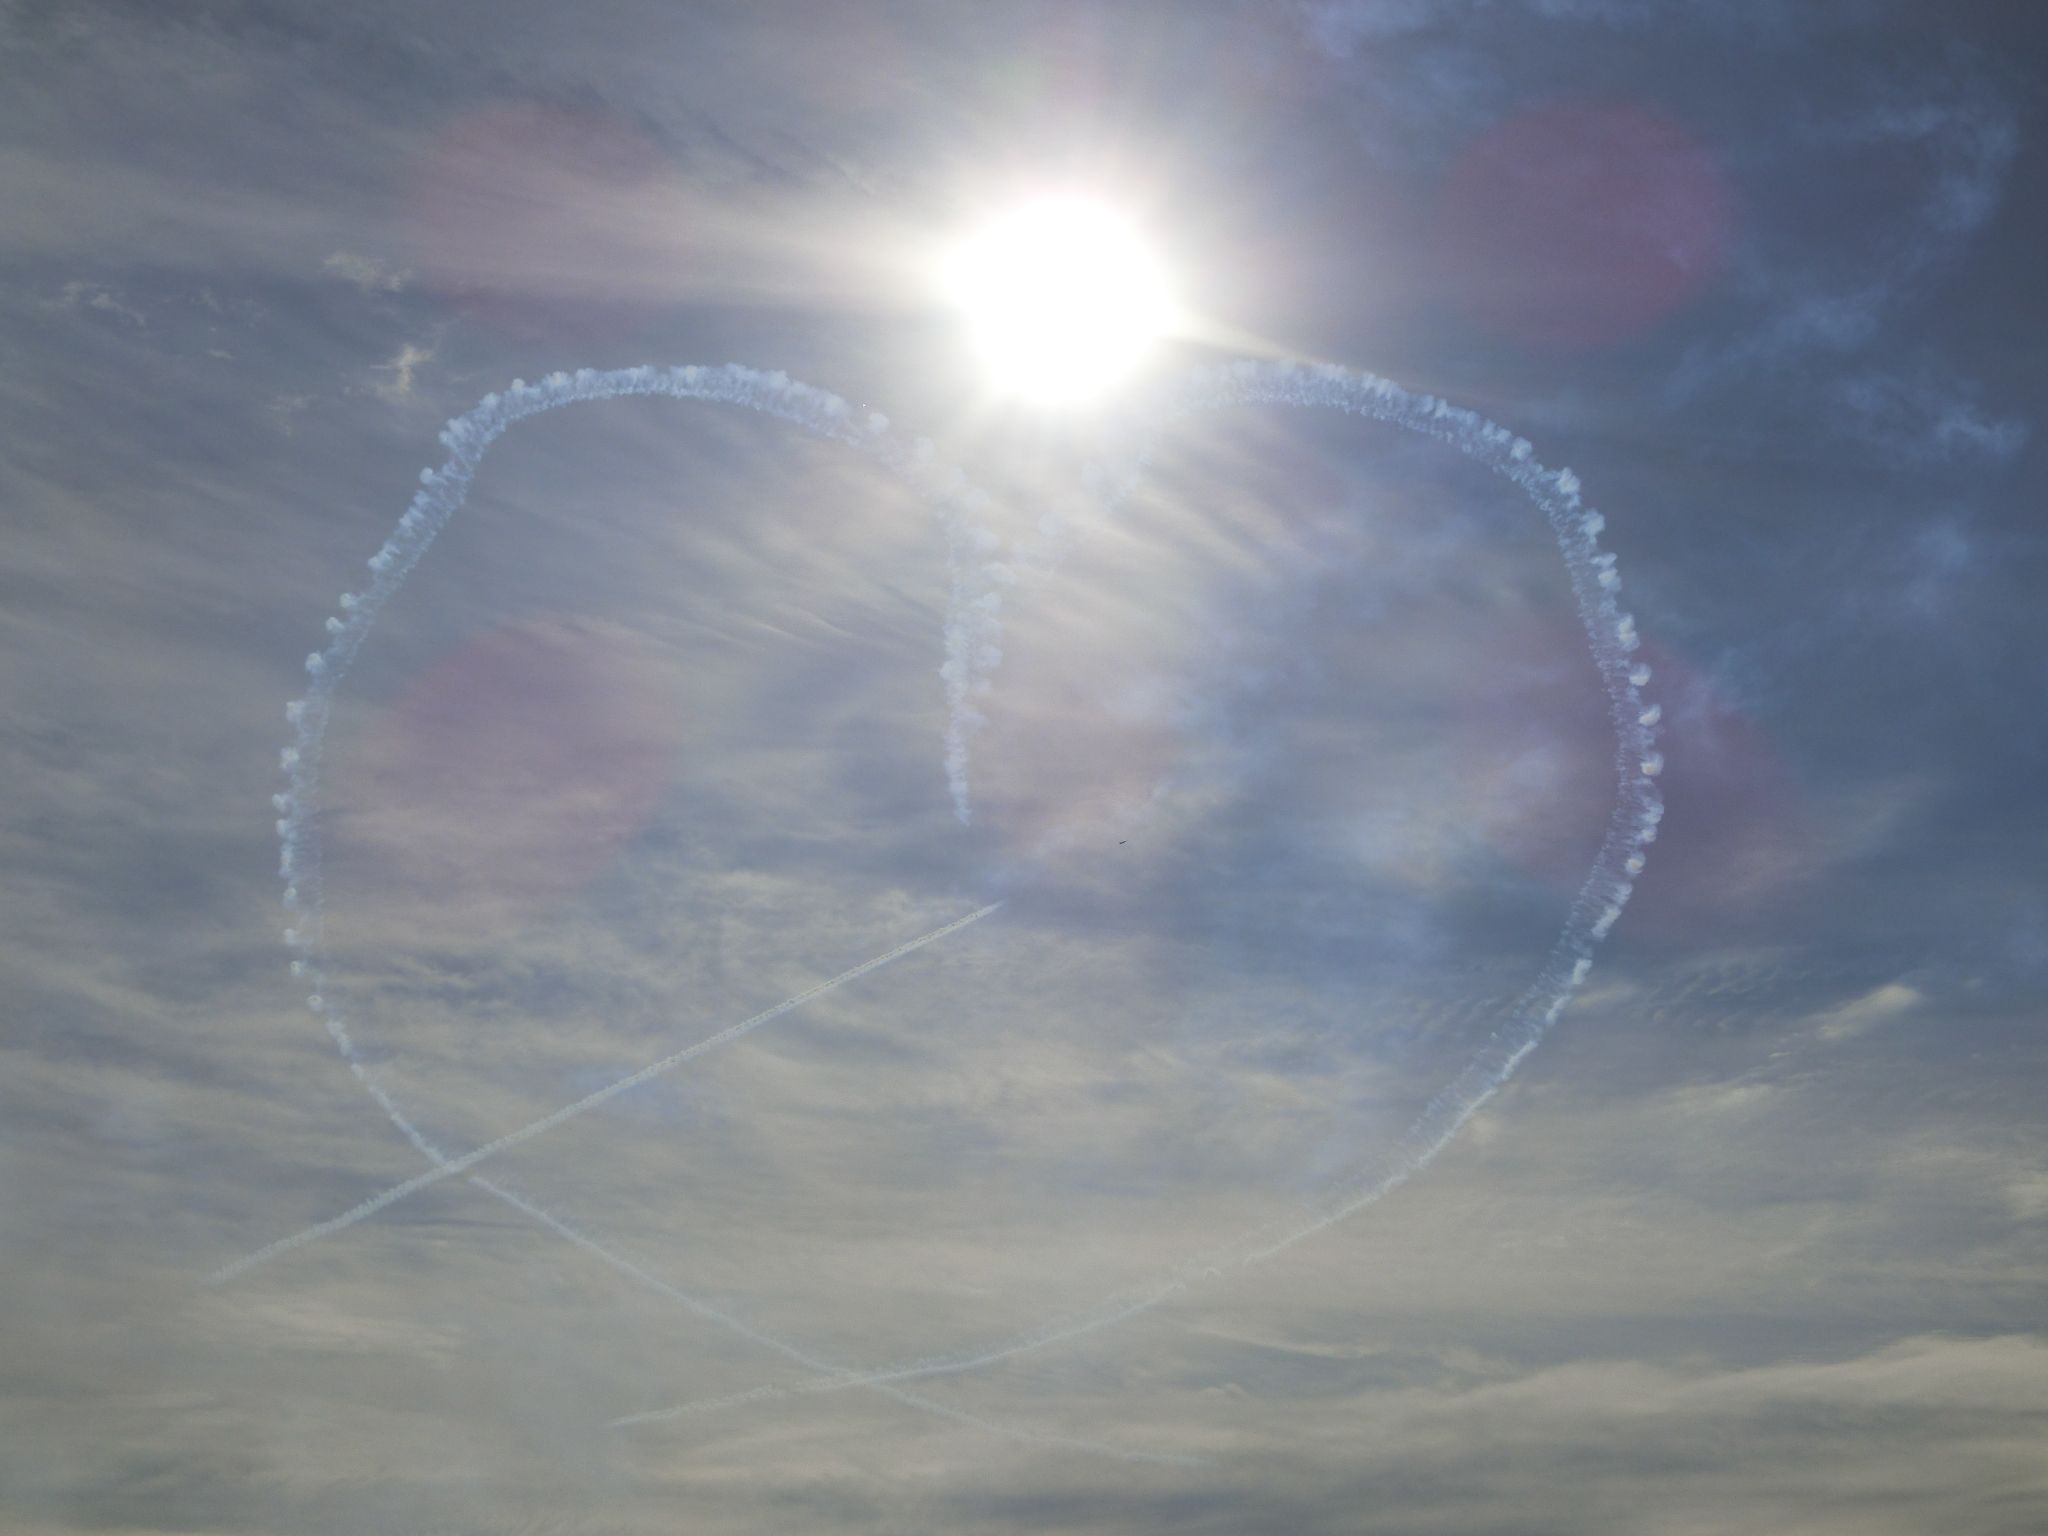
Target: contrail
448	1168
1632	826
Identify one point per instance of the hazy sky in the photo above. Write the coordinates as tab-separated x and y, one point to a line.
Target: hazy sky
1292	759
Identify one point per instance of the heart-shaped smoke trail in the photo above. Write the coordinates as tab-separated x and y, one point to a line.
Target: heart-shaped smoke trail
1632	826
971	654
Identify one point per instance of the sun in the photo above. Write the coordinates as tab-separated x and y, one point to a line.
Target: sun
1062	297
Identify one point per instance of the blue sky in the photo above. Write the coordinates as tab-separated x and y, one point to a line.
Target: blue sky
1291	760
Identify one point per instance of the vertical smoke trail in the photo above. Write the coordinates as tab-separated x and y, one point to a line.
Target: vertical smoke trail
975	598
976	581
1631	828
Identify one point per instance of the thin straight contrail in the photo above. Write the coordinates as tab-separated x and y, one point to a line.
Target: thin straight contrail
448	1168
1632	826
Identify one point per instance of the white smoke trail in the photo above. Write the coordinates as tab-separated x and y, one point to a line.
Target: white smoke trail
1612	637
974	592
974	604
807	1360
935	1365
974	600
448	1168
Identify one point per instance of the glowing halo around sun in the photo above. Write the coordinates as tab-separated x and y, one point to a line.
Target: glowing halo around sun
1062	298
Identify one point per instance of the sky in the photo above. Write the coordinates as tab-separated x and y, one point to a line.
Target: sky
1238	1144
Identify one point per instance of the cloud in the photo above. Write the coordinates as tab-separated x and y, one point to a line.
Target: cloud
397	389
1878	1006
1909	1436
1340	27
365	272
1894	1438
1925	416
2028	1196
1686	1277
1855	195
1948	136
283	412
78	294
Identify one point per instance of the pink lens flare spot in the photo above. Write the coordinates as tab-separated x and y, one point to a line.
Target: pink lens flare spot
1578	225
547	221
508	775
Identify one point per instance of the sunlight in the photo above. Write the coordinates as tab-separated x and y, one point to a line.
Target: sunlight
1062	297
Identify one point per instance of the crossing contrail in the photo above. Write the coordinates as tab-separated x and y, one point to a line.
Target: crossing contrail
448	1168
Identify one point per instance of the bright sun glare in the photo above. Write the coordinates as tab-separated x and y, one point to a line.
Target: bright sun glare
1062	297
